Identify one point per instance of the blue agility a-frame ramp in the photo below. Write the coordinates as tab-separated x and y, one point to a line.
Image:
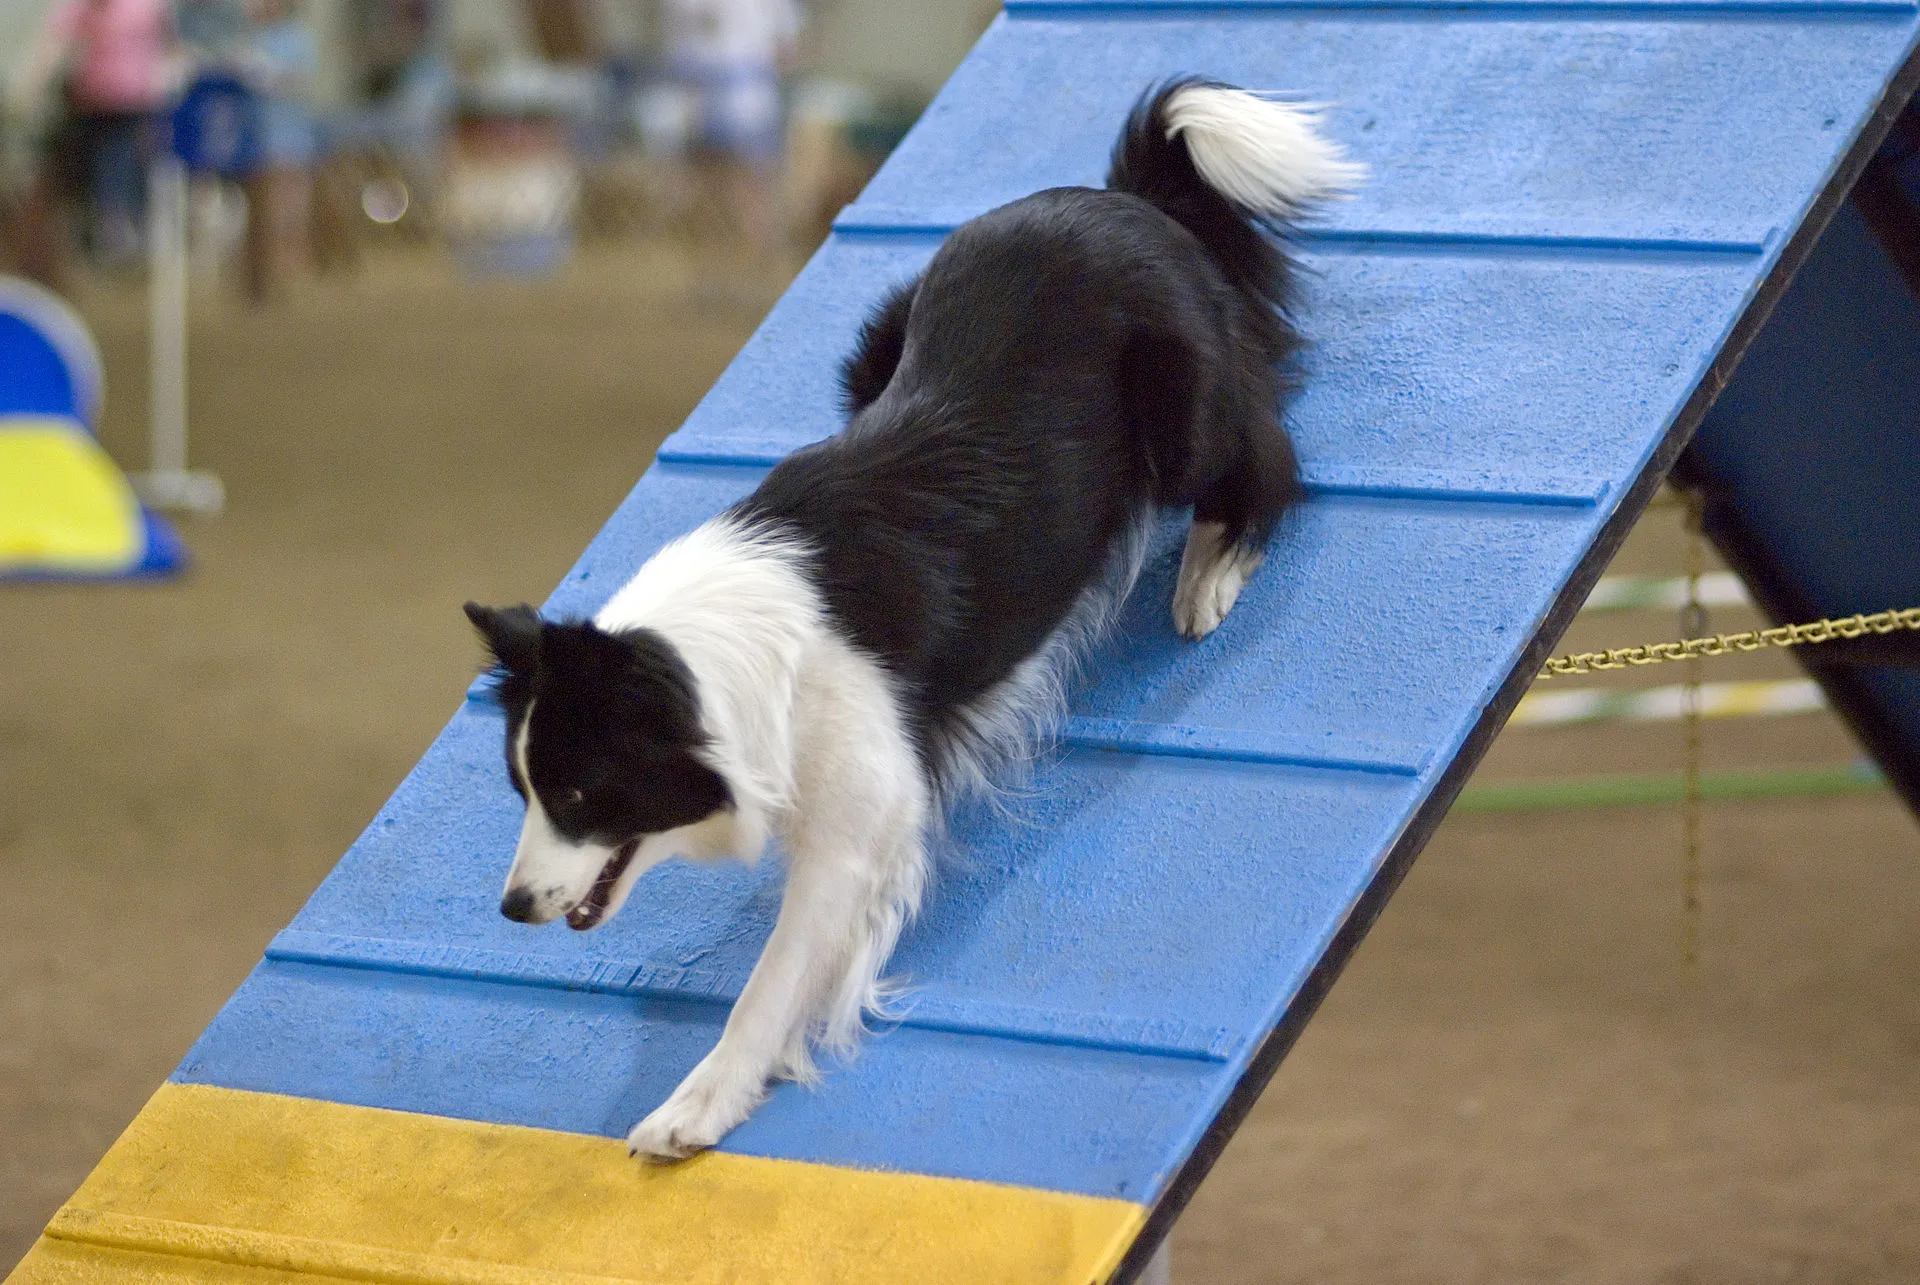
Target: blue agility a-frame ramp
1580	216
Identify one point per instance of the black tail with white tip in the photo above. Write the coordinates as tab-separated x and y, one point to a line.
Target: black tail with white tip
1222	162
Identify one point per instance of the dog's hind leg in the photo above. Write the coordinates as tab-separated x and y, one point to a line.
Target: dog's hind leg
1211	436
1214	568
883	338
1232	520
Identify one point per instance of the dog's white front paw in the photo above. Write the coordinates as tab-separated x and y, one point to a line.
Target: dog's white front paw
1212	574
715	1096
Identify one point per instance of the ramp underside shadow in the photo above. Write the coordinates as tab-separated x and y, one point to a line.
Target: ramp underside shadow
1809	463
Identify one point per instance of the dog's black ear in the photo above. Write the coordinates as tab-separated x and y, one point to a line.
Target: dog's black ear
512	634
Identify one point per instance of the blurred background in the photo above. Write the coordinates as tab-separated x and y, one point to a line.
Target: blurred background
454	268
320	133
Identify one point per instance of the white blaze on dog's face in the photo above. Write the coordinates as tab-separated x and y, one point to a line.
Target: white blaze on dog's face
604	743
555	875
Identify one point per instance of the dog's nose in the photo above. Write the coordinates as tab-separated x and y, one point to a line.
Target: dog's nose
517	905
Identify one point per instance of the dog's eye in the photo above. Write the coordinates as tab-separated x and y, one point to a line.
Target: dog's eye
575	798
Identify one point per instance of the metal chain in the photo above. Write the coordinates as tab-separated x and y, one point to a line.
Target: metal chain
1693	622
1819	631
1692	649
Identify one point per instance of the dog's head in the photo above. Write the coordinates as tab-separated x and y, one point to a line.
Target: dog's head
606	745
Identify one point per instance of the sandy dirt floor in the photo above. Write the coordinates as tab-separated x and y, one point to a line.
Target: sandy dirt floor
1517	1080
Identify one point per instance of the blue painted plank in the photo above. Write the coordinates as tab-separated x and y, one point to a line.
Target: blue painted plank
1447	374
1322	647
1015	945
1018	943
1058	1117
1102	846
1460	10
1466	584
783	390
1625	130
610	973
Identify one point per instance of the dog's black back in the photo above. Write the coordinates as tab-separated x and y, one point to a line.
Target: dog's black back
1065	363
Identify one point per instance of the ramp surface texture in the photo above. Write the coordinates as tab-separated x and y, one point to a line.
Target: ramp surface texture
1580	214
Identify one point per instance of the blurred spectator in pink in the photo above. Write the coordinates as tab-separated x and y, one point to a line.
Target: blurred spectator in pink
115	63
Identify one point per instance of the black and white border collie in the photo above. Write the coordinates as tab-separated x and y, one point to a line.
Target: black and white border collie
888	620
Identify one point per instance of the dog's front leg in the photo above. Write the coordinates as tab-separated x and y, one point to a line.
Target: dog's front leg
842	910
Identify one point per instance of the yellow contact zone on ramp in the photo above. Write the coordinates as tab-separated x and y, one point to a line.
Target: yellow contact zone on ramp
64	507
213	1185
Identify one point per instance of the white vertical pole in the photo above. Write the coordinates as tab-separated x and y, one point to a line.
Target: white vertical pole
167	309
1159	1269
168	484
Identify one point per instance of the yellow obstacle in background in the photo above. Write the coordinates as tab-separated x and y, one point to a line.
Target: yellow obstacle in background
66	510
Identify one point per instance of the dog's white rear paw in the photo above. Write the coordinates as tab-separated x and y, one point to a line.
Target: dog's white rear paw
713	1098
1212	574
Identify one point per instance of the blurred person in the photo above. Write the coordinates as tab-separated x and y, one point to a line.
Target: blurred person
33	233
116	63
729	57
395	139
389	37
278	57
209	28
209	32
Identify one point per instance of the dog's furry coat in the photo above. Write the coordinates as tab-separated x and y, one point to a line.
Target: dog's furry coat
889	617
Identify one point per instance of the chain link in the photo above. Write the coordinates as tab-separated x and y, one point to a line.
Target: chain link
1818	631
1693	620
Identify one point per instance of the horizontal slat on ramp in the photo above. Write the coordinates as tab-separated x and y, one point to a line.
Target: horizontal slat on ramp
1651	127
1557	344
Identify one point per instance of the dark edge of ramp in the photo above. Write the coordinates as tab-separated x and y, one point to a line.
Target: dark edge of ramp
1414	838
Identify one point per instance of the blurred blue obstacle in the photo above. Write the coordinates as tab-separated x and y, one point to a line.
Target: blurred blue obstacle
66	510
1581	215
52	366
217	127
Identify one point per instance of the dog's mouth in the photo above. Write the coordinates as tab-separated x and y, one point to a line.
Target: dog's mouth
593	907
